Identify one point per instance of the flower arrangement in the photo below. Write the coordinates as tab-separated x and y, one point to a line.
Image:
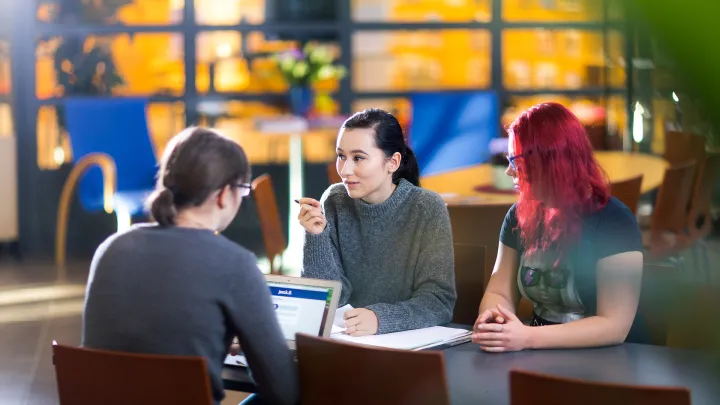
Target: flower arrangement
311	64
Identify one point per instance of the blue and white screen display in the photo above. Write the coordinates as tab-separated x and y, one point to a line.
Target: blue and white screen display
300	308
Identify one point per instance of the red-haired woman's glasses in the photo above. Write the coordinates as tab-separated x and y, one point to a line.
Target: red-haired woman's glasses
511	159
244	189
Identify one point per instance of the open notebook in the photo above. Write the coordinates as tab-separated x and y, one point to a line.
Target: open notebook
417	339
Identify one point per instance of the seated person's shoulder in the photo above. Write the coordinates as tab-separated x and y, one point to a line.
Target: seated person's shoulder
336	190
429	201
233	252
335	195
618	230
616	213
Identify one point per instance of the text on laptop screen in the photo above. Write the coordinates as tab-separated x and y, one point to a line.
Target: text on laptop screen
300	308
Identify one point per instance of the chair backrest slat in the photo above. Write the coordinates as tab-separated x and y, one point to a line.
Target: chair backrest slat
479	225
269	216
628	191
370	375
671	206
700	217
525	387
118	128
469	281
91	377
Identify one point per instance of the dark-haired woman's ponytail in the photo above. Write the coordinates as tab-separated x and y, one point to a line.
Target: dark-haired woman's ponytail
162	207
409	169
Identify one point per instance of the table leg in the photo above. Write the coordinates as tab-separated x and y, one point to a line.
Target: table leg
292	258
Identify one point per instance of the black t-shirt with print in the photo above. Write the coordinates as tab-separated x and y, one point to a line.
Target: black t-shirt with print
569	292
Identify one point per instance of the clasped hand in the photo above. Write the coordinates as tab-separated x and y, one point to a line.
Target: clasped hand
500	330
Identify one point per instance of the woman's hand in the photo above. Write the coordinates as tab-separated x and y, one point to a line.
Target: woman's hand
360	322
510	336
311	216
491	315
235	347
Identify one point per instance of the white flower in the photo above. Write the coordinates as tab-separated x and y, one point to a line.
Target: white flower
300	70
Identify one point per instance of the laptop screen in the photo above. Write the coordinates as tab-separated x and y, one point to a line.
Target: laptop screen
300	308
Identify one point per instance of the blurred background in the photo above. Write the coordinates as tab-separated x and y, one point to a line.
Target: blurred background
279	77
214	62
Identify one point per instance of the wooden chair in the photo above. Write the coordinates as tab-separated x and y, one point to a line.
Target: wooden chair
333	175
667	235
700	216
334	372
270	224
692	301
469	279
479	225
596	135
115	166
531	388
91	377
655	308
681	147
628	191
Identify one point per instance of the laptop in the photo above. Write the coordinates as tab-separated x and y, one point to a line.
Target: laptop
302	305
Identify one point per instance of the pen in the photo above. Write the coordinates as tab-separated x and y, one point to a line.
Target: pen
297	201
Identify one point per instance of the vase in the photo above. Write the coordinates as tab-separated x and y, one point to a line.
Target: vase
301	99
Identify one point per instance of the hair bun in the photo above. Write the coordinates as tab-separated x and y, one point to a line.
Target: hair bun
163	207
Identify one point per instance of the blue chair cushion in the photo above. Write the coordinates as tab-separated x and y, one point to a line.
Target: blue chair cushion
118	128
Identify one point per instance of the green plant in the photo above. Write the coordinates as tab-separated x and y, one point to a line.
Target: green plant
688	58
313	63
84	65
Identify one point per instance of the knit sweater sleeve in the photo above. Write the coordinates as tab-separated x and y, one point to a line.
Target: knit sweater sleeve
321	254
433	299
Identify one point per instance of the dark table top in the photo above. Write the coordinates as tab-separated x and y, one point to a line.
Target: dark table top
478	377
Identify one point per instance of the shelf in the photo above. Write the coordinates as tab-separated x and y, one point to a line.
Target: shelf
511	93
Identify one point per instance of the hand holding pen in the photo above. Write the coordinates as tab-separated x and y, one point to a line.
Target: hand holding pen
311	216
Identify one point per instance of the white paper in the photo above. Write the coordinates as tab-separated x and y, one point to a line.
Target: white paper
238	360
408	340
339	320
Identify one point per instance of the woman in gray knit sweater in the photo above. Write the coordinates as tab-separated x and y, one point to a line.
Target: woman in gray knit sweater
386	239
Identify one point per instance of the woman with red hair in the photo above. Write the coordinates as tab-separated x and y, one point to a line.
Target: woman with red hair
567	246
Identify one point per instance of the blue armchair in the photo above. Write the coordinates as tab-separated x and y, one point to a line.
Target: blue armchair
115	163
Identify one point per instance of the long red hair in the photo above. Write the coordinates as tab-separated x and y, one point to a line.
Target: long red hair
559	178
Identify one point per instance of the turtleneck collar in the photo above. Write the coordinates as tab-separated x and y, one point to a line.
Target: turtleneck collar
396	199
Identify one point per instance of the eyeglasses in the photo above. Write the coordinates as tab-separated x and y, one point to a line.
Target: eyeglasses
244	189
511	159
530	277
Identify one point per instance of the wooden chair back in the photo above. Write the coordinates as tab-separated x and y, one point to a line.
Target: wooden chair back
469	279
681	147
525	386
655	310
700	216
333	176
369	374
479	225
269	217
90	377
628	191
596	135
694	299
670	214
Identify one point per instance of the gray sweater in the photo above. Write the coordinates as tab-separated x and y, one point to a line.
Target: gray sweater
394	258
181	291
